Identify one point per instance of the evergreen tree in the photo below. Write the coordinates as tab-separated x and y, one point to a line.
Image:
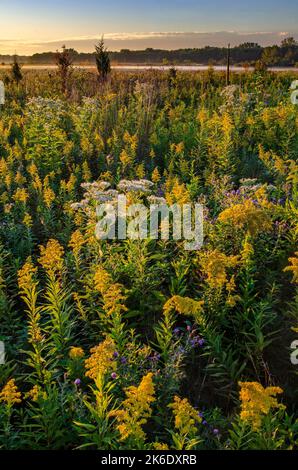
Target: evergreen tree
102	58
16	70
64	62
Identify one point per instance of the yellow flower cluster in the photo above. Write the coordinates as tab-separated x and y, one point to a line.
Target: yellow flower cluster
247	251
21	195
19	178
257	401
186	417
51	256
33	393
230	287
136	409
176	192
101	360
102	280
48	196
76	353
247	215
184	305
155	177
26	275
214	264
10	393
76	242
294	267
27	220
111	293
128	154
160	446
178	148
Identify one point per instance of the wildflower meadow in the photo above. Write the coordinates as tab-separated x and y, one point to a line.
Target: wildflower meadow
136	343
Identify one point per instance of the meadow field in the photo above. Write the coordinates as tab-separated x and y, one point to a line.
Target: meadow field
141	344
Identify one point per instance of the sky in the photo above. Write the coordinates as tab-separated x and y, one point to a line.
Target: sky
29	26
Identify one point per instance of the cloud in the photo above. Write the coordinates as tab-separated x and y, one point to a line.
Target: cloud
142	40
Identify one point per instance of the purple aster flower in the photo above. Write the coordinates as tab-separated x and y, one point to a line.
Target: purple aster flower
204	422
113	375
176	331
215	431
115	354
123	360
77	382
201	342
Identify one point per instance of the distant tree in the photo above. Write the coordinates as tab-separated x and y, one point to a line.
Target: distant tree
172	77
102	58
249	45
270	55
260	66
64	62
16	71
289	42
289	49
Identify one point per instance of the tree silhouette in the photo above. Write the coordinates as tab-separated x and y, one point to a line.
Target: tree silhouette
64	62
16	70
102	58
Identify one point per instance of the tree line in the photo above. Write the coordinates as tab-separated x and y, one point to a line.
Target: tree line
285	54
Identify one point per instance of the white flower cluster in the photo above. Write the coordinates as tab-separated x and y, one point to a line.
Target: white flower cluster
156	200
45	110
101	191
138	186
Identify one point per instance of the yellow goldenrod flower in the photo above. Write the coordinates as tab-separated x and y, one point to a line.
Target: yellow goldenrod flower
111	293
125	158
257	401
51	256
247	215
186	417
37	183
87	175
227	124
140	171
76	242
136	409
48	196
184	305
155	175
215	264
8	180
231	287
160	446
32	169
70	185
21	195
27	220
100	362
10	393
294	267
19	178
247	251
102	280
3	167
33	393
76	352
113	299
176	192
26	275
